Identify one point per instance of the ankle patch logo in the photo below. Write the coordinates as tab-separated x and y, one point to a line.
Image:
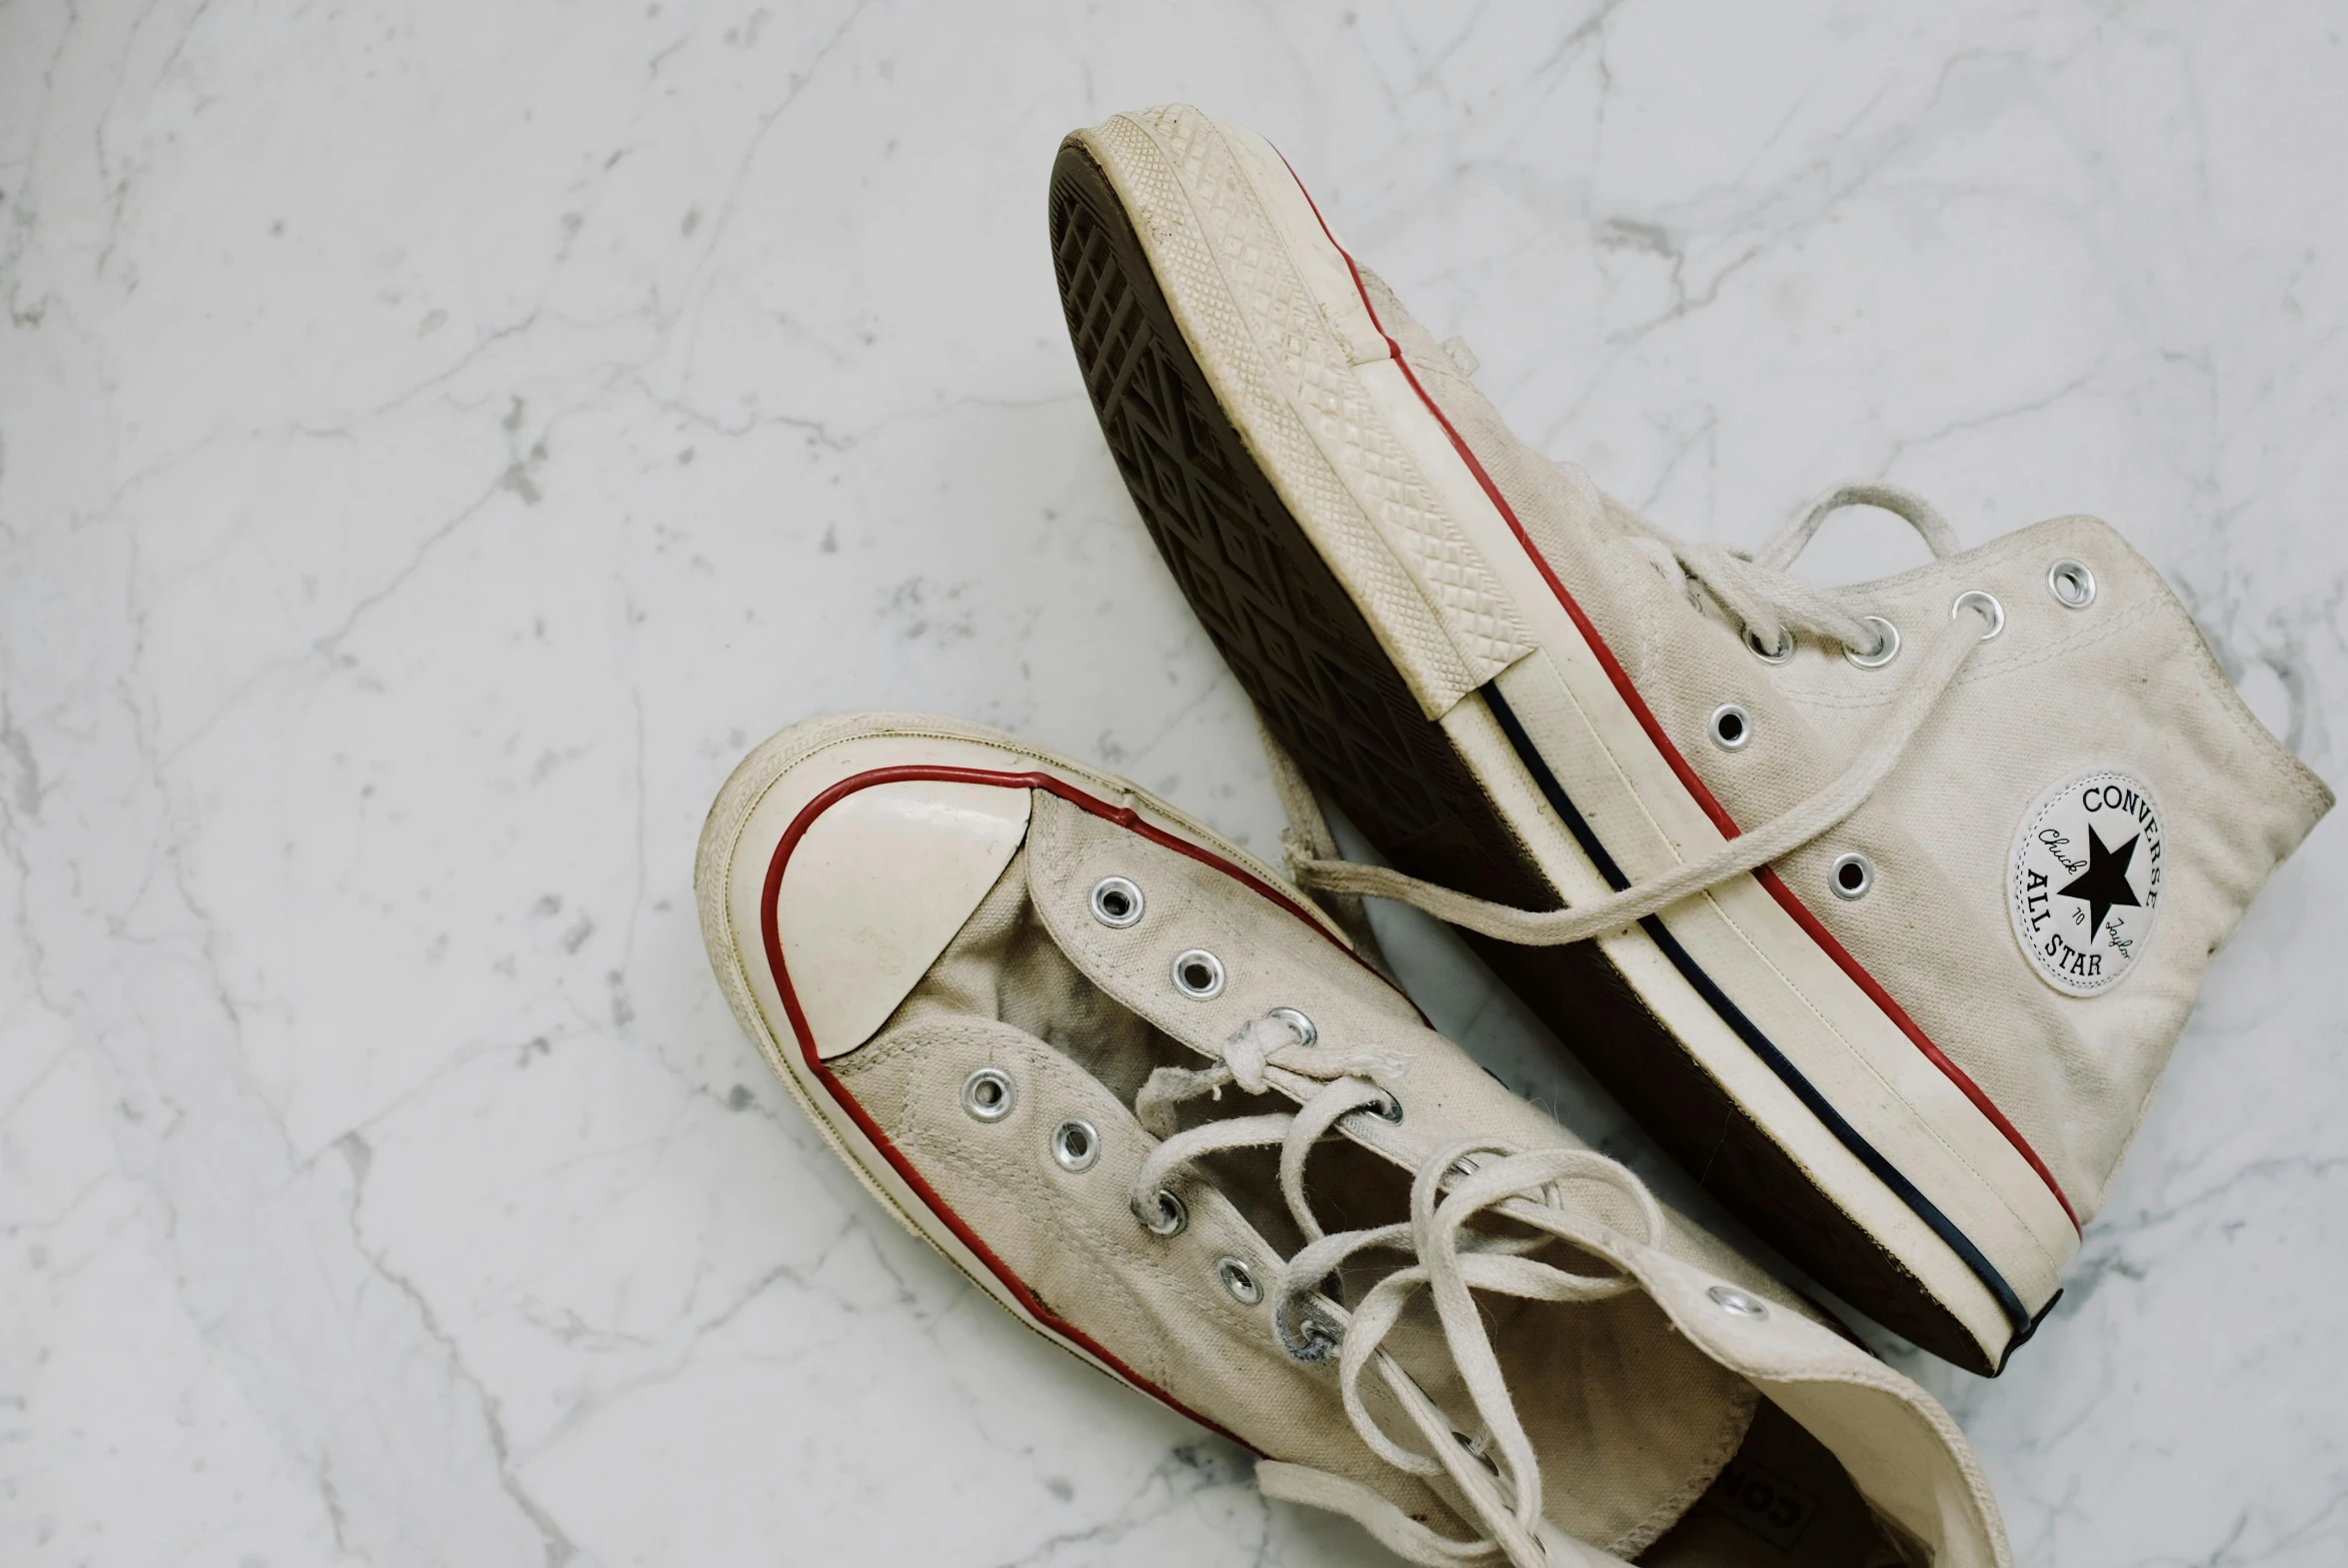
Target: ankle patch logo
2087	880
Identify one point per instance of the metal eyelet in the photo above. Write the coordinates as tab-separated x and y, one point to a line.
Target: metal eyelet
1473	1452
1736	1304
1306	1034
1777	656
1170	1217
1197	975
987	1094
1731	727
1306	1332
1886	646
1387	1108
1240	1280
1074	1144
1985	603
1851	876
1116	902
2071	584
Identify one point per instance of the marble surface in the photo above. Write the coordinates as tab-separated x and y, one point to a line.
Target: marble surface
436	439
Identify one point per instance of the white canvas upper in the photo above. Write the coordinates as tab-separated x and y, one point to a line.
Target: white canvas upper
1631	1389
1958	1031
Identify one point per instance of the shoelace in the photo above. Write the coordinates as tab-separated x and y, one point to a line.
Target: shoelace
1772	605
1496	1472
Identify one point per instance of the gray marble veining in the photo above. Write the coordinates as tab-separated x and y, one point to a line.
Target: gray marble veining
436	440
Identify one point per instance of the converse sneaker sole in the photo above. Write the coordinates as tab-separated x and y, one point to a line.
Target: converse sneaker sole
1282	457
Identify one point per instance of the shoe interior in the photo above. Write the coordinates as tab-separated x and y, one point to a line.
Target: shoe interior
1782	1502
1003	964
1617	1403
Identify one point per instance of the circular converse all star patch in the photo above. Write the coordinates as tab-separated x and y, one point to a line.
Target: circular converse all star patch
2087	880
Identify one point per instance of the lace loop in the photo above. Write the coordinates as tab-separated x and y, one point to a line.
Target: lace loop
1760	593
1499	1480
1781	553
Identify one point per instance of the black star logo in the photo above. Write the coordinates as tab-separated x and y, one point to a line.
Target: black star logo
2104	888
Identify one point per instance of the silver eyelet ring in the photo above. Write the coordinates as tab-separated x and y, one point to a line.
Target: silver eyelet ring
1171	1216
1736	1304
2071	584
1197	975
1473	1452
1777	656
1985	603
1387	1108
1074	1144
1851	876
1306	1332
1306	1033
1116	902
1731	727
1886	646
987	1094
1240	1280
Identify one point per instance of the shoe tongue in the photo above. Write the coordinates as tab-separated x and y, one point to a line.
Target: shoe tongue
1005	964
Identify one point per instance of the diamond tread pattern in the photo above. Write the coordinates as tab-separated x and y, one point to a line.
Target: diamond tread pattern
1317	672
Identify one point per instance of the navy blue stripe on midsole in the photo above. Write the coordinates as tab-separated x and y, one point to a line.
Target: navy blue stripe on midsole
1747	1030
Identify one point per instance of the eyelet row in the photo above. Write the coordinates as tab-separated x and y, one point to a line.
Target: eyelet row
1118	902
2066	578
2072	582
989	1095
1852	876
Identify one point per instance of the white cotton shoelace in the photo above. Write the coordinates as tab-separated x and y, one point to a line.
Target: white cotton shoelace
1772	605
1496	1472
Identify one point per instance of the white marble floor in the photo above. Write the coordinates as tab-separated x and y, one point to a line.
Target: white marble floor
437	438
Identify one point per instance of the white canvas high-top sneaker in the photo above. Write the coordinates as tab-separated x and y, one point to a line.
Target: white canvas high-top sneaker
1147	1097
1880	906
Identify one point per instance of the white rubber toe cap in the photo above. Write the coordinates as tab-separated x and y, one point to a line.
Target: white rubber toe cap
876	888
847	851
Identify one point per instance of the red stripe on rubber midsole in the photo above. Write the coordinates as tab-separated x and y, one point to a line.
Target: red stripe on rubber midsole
1686	775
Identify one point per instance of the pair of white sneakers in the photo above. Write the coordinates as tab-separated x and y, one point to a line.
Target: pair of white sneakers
1879	906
